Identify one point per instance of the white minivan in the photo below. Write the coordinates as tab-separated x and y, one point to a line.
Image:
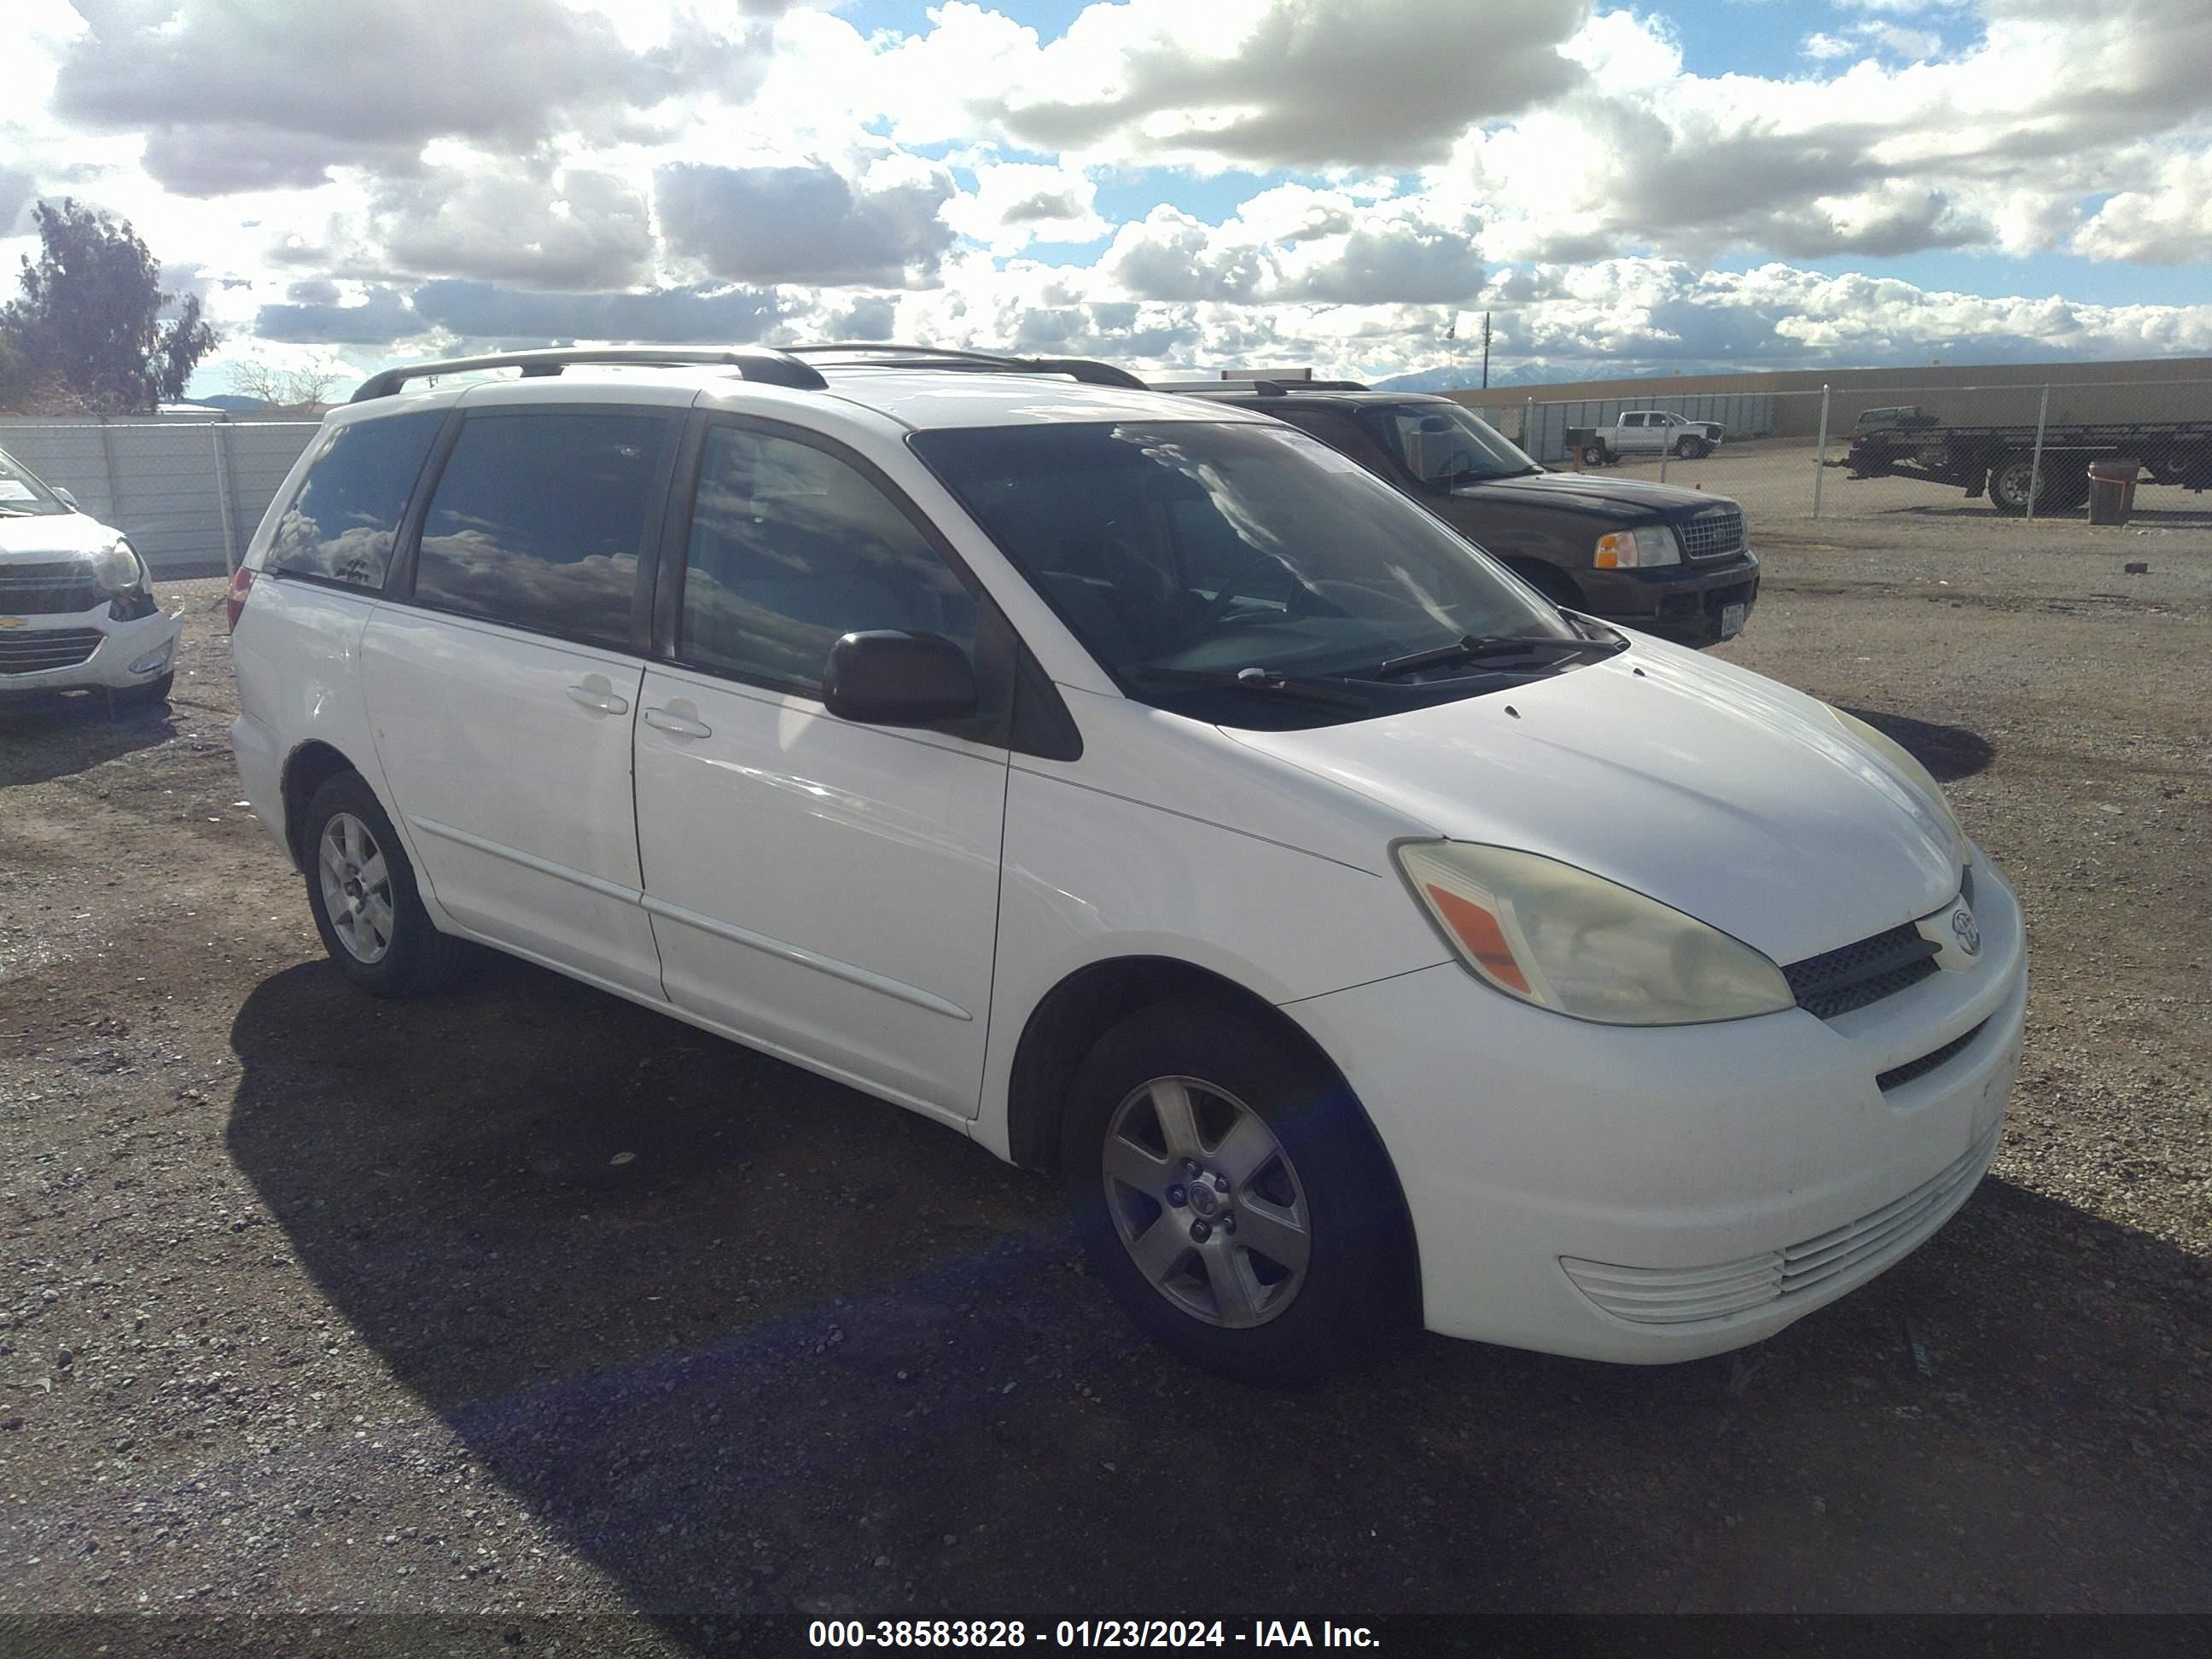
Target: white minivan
1152	793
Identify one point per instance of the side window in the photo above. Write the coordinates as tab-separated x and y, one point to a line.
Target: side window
1632	420
792	548
539	518
341	524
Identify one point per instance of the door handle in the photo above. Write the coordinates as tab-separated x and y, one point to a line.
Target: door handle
594	697
662	719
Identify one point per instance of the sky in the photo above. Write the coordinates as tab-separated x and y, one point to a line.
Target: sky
1172	184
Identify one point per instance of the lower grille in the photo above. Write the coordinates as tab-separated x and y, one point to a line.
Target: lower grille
1681	1296
1713	532
1851	976
47	590
46	647
1898	1075
1890	1231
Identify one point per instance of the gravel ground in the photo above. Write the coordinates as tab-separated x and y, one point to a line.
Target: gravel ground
312	1302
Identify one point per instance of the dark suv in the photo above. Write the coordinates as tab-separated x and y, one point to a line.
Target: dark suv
1671	561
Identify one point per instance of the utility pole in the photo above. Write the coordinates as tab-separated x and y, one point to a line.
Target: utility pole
1485	351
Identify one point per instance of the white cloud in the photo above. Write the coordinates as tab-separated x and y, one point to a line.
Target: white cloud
1018	203
2167	222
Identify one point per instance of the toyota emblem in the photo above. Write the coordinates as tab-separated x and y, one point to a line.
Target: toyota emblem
1966	930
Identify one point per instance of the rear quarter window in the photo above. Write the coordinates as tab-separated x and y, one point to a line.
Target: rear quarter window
341	526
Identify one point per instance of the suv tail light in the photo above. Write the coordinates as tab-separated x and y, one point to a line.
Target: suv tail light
233	600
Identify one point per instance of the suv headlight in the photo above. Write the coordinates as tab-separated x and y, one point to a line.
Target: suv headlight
1579	945
1936	806
117	570
1639	549
122	580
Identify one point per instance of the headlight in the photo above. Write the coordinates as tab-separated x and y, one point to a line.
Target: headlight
1578	943
1638	549
1917	778
118	569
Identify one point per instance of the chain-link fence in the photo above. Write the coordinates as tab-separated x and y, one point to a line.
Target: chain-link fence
1928	452
188	493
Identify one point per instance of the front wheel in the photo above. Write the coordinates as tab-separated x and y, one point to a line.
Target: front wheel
145	694
1690	449
1234	1198
362	890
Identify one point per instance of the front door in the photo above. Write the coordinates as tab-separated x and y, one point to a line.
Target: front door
503	690
823	889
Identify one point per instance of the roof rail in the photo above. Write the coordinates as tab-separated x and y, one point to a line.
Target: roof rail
886	354
760	364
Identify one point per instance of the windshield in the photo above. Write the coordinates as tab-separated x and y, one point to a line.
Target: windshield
20	492
1445	444
1190	549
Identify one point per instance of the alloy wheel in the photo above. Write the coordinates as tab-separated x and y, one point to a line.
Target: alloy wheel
1206	1203
356	885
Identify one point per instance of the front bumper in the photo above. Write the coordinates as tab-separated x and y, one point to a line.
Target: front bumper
1569	1181
86	649
1682	602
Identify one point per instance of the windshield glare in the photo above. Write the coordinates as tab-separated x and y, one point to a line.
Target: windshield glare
22	493
1445	444
1210	547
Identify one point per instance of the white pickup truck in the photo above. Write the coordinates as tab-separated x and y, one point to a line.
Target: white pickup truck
1645	432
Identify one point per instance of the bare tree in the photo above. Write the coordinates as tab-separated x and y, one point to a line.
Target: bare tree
290	391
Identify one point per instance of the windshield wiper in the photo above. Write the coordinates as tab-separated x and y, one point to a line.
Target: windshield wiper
1477	648
1256	681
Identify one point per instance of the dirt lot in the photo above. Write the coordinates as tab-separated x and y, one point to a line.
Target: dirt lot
309	1302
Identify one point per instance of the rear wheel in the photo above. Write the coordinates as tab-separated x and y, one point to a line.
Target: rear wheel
362	890
2010	482
1592	454
1232	1196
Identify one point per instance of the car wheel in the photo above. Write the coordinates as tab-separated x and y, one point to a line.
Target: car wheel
362	890
144	696
1552	583
1592	454
1233	1196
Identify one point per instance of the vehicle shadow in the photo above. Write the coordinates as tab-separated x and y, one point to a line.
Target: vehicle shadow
749	1341
1949	752
61	733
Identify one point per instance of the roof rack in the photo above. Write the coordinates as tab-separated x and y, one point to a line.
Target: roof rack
890	354
1256	388
760	364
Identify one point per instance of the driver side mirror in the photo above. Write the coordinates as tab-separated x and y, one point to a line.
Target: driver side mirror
887	677
65	498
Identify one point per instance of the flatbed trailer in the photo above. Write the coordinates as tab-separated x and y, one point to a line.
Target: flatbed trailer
1999	461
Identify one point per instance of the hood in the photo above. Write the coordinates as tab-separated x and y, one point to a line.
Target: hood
1615	498
36	538
1733	798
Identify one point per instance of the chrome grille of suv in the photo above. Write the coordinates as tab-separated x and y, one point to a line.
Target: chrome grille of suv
1713	532
1851	976
47	590
47	648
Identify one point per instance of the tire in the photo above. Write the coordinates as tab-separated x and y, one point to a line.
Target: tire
1592	454
354	860
146	696
1304	1173
1693	449
1552	583
2009	481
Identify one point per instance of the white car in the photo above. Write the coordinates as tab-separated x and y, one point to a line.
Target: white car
1147	790
77	610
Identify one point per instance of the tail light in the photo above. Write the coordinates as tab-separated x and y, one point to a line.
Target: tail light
234	601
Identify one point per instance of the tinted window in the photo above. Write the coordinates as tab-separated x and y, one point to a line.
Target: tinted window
792	548
1445	444
342	524
538	520
1195	547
